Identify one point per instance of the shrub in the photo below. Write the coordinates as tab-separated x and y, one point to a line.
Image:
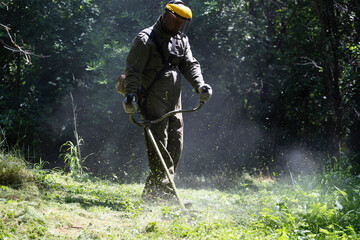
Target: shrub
13	171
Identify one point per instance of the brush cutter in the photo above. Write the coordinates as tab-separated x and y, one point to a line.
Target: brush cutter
205	94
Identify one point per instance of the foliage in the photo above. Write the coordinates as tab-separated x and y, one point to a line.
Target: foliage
14	171
54	31
73	161
284	73
272	77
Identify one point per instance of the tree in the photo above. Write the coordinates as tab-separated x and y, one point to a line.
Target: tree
30	93
284	73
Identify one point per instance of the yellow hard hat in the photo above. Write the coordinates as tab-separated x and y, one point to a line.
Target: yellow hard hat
178	8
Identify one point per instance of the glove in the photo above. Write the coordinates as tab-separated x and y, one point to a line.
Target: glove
205	92
128	103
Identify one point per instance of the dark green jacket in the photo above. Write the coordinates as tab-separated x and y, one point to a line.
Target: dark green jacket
144	61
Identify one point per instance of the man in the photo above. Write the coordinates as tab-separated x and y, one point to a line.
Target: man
157	57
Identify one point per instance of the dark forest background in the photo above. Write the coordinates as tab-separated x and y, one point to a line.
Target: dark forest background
285	76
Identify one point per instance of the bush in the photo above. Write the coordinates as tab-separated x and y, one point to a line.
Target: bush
13	171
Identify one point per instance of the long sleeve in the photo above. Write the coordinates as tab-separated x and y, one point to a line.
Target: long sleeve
190	68
135	63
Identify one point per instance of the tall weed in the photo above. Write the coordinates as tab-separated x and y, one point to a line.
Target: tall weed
73	161
14	171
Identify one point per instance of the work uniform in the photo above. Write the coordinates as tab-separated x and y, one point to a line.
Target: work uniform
163	95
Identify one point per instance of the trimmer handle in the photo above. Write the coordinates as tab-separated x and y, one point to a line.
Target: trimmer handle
205	93
129	103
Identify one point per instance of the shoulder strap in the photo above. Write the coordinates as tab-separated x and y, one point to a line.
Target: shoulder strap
152	35
166	63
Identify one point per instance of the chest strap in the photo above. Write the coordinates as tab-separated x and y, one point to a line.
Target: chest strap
167	64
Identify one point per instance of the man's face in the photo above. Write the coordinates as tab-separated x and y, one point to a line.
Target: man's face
172	23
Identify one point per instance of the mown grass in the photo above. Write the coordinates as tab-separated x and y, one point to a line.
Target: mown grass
53	205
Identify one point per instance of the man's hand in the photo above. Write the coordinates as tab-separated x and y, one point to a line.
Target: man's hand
128	103
205	92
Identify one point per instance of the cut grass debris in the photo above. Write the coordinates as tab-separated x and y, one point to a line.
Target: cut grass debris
62	207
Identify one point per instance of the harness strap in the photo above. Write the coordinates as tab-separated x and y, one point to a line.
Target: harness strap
152	35
166	63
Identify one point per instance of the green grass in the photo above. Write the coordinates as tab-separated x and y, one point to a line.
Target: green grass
13	171
57	206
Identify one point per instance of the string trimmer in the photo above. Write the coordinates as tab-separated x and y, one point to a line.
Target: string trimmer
204	97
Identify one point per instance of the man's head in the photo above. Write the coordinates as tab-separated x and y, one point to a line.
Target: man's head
176	17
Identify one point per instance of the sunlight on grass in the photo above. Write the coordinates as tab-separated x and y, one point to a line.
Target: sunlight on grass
13	171
58	206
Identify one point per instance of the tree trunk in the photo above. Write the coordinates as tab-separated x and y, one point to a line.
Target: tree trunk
330	67
18	73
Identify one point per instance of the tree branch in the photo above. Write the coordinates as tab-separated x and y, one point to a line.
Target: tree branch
2	3
357	113
17	48
26	53
312	62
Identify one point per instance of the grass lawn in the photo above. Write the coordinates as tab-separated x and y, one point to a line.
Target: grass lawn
53	205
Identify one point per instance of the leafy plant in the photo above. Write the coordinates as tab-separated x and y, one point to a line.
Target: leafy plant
39	166
72	159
